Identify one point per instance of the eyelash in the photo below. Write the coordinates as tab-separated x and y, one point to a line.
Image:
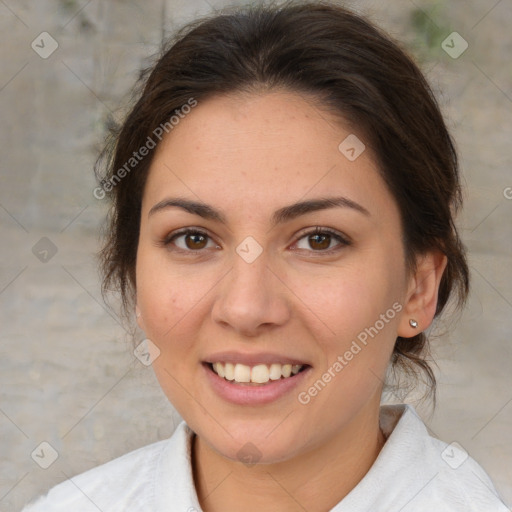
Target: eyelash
343	241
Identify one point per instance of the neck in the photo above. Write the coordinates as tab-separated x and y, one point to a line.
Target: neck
315	480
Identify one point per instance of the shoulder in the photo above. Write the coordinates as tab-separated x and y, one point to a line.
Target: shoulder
124	484
459	481
440	473
416	472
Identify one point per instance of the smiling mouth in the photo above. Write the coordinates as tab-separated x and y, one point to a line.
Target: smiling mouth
255	375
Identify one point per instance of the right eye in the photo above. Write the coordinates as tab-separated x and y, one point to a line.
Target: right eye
189	240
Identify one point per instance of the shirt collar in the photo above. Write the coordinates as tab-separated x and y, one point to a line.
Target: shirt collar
401	427
174	489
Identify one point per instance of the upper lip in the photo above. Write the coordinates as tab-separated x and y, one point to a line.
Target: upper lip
252	359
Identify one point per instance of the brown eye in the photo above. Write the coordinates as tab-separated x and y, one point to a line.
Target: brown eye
189	241
321	240
195	241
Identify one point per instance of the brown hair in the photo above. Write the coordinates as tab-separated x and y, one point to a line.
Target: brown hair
351	68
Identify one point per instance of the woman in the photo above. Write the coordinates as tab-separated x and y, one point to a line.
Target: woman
284	193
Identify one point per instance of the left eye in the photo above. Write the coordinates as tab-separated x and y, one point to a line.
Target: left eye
320	240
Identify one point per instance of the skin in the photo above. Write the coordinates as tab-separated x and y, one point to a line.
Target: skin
247	156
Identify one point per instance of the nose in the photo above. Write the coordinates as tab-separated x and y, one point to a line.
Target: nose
252	298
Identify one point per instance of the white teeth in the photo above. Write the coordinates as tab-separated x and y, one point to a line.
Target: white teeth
295	369
259	374
229	371
219	369
275	371
242	373
286	370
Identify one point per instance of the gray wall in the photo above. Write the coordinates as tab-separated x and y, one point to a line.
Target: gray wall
67	372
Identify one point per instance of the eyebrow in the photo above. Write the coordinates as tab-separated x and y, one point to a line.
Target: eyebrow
280	216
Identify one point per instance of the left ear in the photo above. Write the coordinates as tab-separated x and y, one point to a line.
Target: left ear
421	300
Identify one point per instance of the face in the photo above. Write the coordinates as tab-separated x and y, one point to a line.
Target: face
232	279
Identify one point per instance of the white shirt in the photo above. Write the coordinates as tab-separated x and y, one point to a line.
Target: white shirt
414	472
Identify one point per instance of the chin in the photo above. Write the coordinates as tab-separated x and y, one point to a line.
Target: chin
256	443
250	453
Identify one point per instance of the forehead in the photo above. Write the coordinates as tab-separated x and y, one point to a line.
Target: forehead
270	147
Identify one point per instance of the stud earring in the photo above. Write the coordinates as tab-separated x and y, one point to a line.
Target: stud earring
413	323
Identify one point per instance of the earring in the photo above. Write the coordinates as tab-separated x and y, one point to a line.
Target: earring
137	312
413	323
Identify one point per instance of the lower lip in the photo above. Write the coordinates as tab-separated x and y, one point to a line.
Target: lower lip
243	394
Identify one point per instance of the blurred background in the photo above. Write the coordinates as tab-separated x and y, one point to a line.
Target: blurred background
68	374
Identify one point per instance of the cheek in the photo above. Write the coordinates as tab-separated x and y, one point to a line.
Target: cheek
169	300
173	301
350	300
356	348
359	309
165	294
